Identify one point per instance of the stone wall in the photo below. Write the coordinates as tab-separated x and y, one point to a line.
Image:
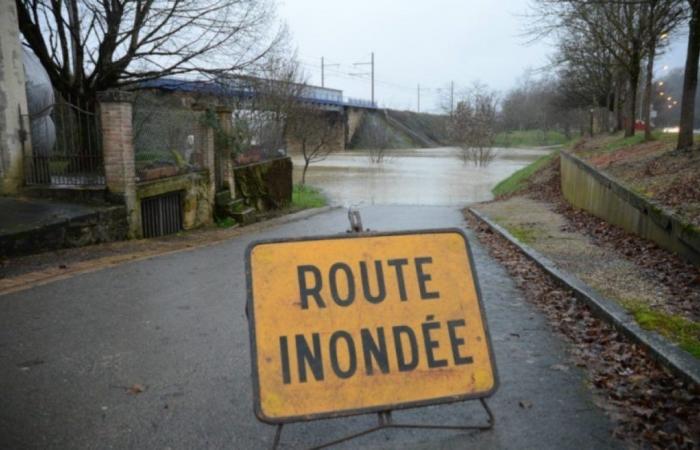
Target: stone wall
103	225
587	188
265	185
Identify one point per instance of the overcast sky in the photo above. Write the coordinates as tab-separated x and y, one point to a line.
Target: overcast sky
418	41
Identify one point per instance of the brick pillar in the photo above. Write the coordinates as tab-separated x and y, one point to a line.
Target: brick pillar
118	152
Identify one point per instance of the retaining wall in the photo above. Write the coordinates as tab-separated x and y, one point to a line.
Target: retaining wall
587	188
265	185
104	224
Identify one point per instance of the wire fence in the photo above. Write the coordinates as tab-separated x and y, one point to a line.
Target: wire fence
166	136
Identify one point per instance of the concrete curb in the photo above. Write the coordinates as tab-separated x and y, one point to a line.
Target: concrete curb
678	361
286	218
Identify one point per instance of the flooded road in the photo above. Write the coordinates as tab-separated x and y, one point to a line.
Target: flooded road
411	177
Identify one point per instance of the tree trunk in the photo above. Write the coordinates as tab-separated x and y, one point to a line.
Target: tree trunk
632	100
619	115
303	173
690	80
648	89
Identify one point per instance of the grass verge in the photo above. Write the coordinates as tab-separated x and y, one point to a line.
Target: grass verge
518	180
304	197
524	235
226	222
680	330
529	138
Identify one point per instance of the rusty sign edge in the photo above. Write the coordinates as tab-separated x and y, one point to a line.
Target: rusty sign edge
250	316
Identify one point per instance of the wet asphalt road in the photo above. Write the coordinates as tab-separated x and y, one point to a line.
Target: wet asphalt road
176	325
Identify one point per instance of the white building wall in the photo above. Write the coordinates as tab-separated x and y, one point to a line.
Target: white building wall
13	101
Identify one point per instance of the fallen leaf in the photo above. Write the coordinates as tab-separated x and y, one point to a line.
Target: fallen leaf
135	389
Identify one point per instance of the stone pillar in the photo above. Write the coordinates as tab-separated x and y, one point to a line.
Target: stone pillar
118	152
206	154
13	102
224	154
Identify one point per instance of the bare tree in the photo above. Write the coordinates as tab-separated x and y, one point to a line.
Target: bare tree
88	46
472	125
278	87
314	131
624	33
380	140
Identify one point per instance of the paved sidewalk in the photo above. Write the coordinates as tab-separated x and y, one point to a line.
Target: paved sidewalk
175	324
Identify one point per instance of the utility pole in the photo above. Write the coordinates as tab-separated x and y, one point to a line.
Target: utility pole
370	63
373	78
418	97
452	98
323	70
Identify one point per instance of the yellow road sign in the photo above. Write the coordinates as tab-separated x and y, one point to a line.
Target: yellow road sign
351	324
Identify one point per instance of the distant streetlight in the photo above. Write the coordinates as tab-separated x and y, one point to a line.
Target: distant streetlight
664	36
661	83
675	102
661	94
669	99
665	67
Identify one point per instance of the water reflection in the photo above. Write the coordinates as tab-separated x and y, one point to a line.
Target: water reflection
412	177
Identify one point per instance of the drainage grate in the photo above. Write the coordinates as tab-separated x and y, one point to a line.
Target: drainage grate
161	215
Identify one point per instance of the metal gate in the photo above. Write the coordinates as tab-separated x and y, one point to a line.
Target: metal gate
66	146
162	214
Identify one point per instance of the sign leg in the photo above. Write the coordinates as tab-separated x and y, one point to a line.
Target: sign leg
278	435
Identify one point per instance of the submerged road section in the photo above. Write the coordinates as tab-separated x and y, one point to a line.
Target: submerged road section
155	354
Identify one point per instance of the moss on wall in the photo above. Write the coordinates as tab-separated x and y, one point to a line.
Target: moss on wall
266	185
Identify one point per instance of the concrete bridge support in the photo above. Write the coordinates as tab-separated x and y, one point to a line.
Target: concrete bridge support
335	139
353	121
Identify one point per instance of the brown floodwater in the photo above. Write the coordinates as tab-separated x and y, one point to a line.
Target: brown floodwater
411	177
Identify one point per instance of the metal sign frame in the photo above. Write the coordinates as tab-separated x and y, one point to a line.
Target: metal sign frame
384	411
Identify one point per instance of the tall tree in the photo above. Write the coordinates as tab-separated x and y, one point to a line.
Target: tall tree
662	17
690	79
91	45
